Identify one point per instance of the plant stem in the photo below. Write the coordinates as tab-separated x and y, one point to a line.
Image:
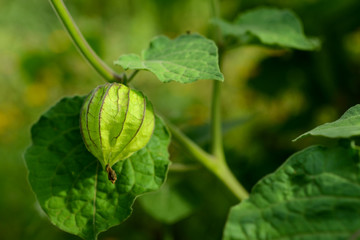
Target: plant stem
133	74
216	130
222	171
215	8
107	73
195	151
218	168
226	176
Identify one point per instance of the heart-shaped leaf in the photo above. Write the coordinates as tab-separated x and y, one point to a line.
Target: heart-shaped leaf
185	59
315	194
69	182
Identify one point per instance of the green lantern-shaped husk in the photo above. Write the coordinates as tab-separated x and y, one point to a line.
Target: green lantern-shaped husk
115	122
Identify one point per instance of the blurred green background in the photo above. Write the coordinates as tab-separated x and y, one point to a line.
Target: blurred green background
270	97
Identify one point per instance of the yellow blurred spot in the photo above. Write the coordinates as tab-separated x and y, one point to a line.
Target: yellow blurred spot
36	94
5	121
59	41
198	114
325	114
278	110
10	117
352	44
50	77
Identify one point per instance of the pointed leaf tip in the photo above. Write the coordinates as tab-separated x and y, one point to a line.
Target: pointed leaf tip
347	126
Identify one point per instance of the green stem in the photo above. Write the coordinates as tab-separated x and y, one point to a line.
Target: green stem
107	73
218	168
216	130
226	176
223	172
215	8
133	74
195	151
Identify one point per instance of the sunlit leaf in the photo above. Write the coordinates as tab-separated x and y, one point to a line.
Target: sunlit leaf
315	194
185	59
70	184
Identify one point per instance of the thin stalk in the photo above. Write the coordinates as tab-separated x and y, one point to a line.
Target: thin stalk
215	8
192	148
226	176
133	74
216	130
107	73
222	171
218	168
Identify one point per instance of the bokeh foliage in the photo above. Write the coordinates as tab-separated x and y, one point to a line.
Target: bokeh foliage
280	94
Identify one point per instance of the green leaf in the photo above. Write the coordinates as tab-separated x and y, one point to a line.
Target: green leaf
270	26
347	126
185	59
315	194
69	182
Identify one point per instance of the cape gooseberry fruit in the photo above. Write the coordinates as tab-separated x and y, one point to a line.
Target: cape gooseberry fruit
115	122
